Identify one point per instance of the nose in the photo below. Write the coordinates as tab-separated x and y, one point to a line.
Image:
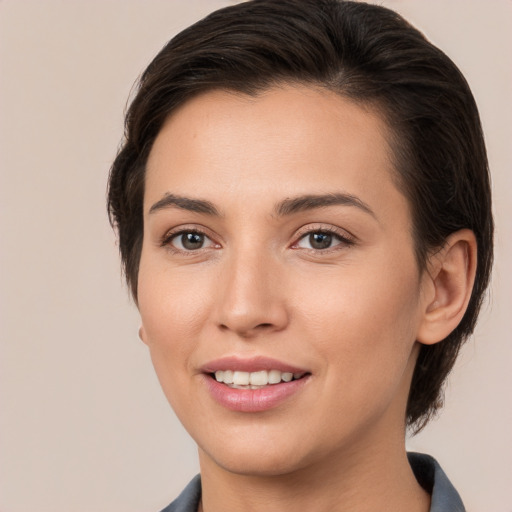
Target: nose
251	299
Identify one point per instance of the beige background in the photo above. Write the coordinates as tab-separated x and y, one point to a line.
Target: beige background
84	426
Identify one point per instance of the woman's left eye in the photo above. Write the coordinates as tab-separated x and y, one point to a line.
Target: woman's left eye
321	240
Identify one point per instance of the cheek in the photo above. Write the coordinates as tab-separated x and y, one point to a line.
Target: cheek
363	297
173	305
169	314
364	320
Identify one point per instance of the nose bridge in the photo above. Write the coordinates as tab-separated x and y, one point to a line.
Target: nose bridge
251	300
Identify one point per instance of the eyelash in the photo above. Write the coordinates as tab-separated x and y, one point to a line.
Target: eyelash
169	237
345	240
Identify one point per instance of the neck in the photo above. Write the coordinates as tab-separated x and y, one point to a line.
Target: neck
370	480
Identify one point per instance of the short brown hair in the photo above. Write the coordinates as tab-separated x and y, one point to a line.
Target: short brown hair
364	52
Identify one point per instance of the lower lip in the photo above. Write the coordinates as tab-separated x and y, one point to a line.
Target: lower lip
253	400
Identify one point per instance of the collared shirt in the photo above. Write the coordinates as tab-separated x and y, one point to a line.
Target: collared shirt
426	470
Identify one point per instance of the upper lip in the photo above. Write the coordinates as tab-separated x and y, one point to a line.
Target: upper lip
252	364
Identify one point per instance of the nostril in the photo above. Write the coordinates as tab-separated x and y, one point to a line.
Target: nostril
263	326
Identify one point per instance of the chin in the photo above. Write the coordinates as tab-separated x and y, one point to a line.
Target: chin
262	455
258	464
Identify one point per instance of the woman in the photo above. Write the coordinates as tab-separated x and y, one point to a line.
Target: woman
303	209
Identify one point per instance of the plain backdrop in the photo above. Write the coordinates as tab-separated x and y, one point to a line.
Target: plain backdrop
84	426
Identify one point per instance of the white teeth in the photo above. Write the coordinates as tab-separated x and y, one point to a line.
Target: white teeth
254	380
274	376
241	378
258	378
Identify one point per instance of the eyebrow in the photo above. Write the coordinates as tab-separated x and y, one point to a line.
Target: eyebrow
283	208
185	203
310	202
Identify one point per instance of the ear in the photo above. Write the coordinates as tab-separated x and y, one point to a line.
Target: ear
142	335
448	283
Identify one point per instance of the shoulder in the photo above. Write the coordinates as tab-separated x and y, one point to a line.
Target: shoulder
188	500
433	479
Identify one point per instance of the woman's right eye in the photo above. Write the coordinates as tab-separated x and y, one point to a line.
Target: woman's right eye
189	241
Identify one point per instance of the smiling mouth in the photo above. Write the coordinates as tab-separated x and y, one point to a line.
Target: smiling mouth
254	380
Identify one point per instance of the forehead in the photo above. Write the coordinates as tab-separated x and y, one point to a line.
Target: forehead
284	141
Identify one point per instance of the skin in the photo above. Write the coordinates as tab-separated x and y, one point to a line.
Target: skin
350	314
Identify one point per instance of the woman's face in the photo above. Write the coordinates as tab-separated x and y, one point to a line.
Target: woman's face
277	247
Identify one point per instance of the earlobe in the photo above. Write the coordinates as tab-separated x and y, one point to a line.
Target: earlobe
142	335
451	274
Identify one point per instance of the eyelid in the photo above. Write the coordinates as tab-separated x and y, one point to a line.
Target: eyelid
346	238
169	235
